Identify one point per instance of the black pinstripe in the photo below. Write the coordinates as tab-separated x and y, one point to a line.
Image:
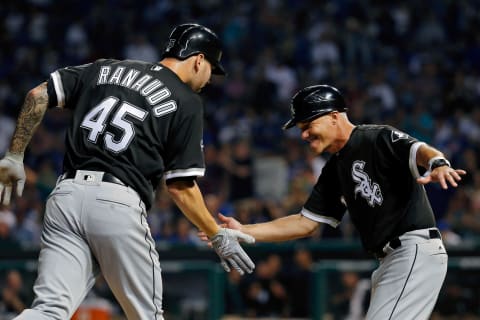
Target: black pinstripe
153	264
406	281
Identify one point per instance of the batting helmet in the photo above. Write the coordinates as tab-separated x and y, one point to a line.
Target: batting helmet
190	39
313	102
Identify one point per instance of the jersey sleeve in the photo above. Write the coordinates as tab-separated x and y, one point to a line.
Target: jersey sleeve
325	203
400	146
185	148
65	83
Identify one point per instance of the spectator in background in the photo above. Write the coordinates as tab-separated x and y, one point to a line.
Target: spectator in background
351	302
430	33
184	234
470	219
28	212
357	42
7	126
216	180
234	300
162	213
283	76
470	160
421	123
244	210
325	52
298	193
77	42
236	85
139	48
300	283
217	203
458	302
382	96
451	223
8	221
47	176
238	162
14	300
266	295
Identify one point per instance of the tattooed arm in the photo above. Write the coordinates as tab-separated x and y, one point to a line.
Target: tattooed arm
11	166
31	114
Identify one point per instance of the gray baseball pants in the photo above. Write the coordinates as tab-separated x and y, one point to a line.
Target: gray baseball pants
406	284
89	227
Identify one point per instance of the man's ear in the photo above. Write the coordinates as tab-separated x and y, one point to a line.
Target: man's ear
334	117
198	60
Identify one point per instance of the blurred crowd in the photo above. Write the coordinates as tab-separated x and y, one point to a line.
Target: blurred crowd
411	64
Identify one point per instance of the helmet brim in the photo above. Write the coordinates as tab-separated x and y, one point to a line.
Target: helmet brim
293	122
218	69
289	124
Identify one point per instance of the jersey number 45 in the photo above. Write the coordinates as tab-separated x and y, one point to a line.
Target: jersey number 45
96	121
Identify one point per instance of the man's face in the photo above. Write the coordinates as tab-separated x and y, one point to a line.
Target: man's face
319	133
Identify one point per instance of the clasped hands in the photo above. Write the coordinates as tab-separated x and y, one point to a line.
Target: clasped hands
226	244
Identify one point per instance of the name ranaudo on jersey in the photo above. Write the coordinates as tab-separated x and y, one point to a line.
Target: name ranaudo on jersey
152	89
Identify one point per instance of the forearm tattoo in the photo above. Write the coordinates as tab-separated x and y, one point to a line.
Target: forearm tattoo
31	114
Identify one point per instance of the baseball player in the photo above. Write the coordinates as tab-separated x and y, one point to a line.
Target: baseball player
133	123
373	172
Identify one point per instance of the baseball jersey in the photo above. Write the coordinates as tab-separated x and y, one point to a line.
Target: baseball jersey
374	177
133	119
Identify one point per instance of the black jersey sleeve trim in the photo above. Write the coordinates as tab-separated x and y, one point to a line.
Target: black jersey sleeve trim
319	218
58	85
192	172
412	161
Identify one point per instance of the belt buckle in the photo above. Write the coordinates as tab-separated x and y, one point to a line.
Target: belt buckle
88	178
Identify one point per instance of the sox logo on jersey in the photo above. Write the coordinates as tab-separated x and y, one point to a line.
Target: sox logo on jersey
368	190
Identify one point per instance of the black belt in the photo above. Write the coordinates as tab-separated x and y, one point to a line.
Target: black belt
396	243
107	177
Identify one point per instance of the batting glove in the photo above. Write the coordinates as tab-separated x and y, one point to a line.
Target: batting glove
11	173
226	244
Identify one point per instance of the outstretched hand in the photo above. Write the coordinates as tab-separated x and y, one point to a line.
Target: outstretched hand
443	175
226	222
12	173
230	222
226	244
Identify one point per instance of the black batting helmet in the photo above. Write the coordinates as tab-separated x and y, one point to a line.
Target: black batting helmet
313	102
190	39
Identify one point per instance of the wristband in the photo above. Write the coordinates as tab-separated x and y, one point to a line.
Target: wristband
14	156
436	162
